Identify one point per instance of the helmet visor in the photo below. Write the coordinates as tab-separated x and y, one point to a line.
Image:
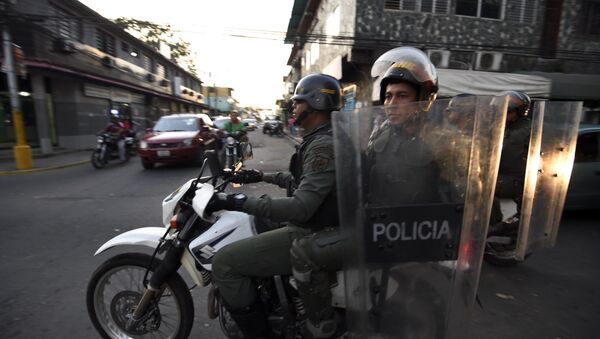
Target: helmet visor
408	58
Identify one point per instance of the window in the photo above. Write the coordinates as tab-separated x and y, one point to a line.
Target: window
425	6
147	63
105	42
160	70
491	9
521	11
589	18
586	149
65	25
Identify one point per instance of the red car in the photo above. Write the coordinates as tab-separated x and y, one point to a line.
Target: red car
179	138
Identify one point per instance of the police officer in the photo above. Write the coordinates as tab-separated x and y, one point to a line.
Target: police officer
310	211
453	144
403	168
515	147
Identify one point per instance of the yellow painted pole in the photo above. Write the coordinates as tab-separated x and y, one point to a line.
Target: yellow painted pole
21	150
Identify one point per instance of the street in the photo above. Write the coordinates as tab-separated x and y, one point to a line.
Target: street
53	222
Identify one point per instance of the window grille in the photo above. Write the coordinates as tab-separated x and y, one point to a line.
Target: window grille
491	9
64	24
589	18
522	11
105	42
425	6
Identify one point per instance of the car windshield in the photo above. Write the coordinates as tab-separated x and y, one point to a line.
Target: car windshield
176	124
220	123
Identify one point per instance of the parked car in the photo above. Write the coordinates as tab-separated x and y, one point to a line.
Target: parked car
250	124
178	138
584	186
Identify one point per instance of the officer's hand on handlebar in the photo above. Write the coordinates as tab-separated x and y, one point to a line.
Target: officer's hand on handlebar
247	176
223	201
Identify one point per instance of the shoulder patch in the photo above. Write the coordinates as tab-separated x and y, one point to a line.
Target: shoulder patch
320	164
323	155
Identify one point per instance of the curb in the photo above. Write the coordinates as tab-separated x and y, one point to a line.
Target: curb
43	169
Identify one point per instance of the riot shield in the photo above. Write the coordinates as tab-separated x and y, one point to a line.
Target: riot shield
415	190
549	165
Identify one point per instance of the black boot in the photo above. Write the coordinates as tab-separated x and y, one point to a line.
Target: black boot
251	320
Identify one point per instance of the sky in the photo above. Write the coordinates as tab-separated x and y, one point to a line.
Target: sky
237	43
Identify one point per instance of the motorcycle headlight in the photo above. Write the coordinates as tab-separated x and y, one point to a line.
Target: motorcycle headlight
187	142
230	141
143	144
100	139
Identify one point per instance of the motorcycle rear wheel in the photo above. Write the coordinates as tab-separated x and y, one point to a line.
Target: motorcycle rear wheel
496	256
116	287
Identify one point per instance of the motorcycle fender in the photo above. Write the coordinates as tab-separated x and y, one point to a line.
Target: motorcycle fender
150	236
145	236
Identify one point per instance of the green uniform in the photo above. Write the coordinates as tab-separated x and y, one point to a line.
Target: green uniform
309	208
403	170
231	127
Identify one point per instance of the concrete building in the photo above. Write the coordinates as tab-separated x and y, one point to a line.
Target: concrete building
548	48
80	67
219	99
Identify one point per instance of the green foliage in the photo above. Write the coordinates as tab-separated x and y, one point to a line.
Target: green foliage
153	34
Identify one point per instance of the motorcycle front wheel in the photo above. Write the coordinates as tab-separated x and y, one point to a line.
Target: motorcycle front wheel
115	289
98	159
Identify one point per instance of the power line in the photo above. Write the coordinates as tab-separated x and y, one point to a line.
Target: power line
344	39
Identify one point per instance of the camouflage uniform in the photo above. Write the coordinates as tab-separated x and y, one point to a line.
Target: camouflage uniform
311	206
403	169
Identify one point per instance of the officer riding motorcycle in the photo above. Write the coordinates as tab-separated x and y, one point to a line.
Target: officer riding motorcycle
310	211
535	165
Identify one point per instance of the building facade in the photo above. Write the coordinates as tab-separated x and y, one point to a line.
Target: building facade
80	68
547	48
219	99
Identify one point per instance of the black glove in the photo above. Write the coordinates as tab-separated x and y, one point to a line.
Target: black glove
247	176
222	201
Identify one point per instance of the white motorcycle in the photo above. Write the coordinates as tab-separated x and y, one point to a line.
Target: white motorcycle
141	296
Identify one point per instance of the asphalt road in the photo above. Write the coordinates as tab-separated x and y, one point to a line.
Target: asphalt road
52	223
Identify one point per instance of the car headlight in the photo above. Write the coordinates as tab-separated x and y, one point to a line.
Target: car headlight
230	141
187	142
143	144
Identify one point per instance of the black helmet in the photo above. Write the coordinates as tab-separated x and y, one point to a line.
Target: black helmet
321	92
459	99
406	64
521	109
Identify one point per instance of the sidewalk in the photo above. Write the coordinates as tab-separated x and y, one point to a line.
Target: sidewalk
295	139
60	158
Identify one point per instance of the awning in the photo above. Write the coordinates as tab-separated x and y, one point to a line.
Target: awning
572	86
453	82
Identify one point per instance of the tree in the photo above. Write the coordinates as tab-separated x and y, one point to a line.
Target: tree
154	34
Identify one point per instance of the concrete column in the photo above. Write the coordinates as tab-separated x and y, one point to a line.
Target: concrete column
42	117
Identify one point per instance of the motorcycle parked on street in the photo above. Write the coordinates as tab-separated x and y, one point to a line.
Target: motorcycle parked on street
107	149
273	127
142	296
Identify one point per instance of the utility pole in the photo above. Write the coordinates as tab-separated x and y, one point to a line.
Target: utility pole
21	150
